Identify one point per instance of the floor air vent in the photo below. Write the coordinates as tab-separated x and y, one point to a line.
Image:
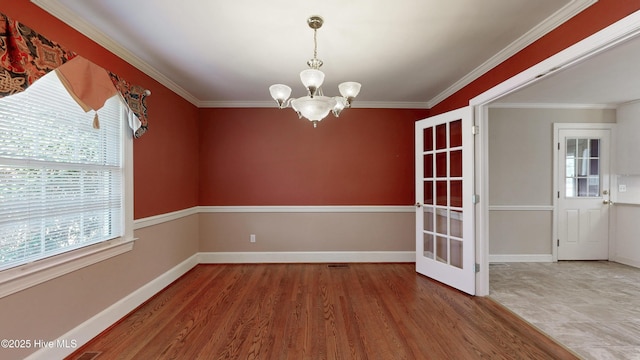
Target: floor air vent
88	355
338	265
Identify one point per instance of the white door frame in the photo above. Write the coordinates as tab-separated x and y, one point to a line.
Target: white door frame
604	39
556	173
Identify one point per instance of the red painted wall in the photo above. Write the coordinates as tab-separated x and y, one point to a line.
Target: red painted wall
270	157
593	19
196	156
166	157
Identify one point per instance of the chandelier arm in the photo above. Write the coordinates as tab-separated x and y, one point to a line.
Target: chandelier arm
287	103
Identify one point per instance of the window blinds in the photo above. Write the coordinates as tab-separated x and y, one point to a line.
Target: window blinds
60	179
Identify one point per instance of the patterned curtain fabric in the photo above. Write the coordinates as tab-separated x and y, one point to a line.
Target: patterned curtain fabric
136	98
25	56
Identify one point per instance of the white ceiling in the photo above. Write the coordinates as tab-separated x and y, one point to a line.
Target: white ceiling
406	53
605	79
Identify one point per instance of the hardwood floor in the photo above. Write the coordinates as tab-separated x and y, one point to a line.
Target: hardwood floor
318	311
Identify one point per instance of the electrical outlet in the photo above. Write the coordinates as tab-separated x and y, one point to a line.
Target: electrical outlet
622	188
252	238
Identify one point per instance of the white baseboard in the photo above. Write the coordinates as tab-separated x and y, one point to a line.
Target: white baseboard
305	257
89	329
626	261
503	258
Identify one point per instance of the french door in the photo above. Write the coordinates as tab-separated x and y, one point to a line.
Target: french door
445	248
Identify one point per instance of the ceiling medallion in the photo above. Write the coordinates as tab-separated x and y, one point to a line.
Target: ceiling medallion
315	106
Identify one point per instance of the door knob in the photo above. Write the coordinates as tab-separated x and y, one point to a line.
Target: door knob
607	202
418	205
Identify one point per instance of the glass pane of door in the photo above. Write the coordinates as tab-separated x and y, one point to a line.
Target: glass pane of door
582	167
443	172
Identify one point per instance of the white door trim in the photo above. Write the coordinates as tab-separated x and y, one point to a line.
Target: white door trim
604	39
556	184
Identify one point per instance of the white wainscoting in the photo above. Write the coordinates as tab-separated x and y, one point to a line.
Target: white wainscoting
307	209
91	328
158	219
505	258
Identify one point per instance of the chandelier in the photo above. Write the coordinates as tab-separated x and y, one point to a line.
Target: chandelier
315	106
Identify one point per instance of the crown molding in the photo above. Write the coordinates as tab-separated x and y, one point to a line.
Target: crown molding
389	105
356	105
85	28
54	8
559	17
552	106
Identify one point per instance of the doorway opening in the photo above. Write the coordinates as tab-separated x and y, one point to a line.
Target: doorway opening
518	92
548	89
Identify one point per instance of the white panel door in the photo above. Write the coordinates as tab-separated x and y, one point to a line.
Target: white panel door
583	196
444	207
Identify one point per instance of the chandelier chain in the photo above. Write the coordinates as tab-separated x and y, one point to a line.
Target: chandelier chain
315	43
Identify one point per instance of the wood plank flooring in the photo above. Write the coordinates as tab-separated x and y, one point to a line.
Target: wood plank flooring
318	311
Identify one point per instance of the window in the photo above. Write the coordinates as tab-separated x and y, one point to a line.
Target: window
582	167
64	193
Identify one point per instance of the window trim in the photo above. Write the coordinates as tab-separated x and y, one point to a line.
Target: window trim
25	276
37	272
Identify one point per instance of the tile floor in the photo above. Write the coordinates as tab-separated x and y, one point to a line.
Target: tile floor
591	307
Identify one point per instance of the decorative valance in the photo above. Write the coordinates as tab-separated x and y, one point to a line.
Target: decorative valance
25	56
136	98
